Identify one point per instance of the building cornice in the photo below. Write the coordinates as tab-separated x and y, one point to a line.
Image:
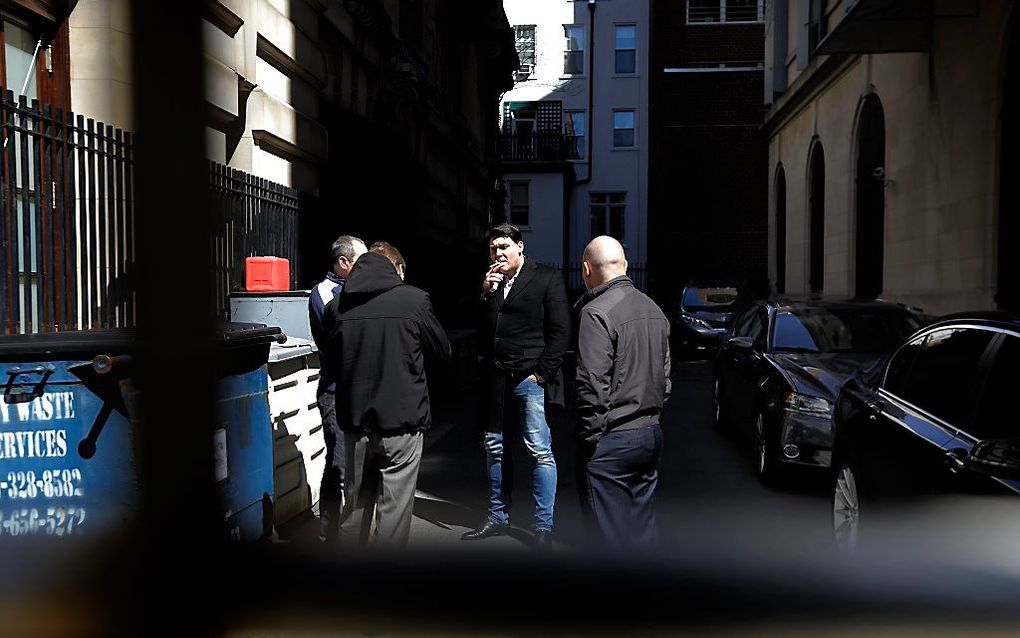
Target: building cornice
819	74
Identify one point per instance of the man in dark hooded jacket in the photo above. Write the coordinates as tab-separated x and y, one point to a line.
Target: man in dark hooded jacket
380	331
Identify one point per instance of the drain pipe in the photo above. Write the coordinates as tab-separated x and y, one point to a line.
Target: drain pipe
589	137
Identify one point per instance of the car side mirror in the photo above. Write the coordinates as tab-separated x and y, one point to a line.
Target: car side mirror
742	343
999	458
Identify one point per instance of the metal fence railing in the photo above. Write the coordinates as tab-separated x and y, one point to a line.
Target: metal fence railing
66	219
67	222
254	217
638	273
538	146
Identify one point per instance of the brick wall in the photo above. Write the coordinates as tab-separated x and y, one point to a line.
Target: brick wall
708	178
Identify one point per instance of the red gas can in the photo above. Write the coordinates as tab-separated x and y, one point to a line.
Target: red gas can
266	274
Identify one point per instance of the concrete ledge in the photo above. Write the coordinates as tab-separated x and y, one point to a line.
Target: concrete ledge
287	47
284	129
224	17
221	86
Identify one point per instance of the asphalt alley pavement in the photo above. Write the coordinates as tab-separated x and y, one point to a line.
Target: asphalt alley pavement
708	496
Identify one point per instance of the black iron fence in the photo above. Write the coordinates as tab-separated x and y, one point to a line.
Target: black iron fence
638	273
254	217
66	219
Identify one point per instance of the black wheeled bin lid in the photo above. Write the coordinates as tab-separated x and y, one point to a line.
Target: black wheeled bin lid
86	343
71	344
248	334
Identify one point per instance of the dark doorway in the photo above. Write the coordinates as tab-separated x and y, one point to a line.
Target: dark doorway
1007	295
780	230
870	199
816	222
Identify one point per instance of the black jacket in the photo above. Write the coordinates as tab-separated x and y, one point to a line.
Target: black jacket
528	332
622	360
380	331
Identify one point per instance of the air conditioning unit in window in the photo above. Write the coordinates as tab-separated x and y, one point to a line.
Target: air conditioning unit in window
523	73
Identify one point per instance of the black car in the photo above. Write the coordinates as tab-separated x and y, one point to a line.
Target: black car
702	317
938	417
779	369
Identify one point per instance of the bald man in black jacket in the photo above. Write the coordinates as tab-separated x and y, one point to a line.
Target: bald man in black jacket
622	382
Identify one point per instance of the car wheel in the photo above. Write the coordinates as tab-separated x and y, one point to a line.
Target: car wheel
766	464
846	508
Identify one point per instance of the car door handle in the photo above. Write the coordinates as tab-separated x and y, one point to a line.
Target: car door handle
956	459
874	409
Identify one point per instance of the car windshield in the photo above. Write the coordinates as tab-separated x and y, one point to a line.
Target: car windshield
871	330
718	299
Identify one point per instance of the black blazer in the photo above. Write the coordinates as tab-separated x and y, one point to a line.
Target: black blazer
528	332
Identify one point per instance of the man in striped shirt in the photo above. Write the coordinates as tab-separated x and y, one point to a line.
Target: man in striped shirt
346	250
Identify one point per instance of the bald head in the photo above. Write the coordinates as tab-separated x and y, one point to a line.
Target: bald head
603	259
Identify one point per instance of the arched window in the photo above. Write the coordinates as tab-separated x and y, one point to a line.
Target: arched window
870	240
816	218
1007	294
780	230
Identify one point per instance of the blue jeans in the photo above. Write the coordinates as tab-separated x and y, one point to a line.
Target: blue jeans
528	399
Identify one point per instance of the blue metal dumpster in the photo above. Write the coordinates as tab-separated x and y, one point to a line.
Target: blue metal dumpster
66	444
68	428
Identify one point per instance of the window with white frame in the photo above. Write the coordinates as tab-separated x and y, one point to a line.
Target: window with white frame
626	48
21	55
573	53
573	132
524	36
608	211
725	11
520	202
623	129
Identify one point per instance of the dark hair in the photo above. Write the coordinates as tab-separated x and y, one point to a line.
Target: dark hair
344	247
505	230
388	251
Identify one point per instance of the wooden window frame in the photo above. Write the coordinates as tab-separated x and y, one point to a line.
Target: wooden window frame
53	64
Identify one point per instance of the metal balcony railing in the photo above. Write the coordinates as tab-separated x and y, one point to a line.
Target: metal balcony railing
540	146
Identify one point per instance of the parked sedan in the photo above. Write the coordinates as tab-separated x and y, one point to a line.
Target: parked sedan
938	417
778	371
702	318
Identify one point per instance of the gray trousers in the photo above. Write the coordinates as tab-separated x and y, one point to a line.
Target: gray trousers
381	476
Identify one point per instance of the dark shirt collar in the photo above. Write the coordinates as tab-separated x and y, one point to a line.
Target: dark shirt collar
330	275
601	288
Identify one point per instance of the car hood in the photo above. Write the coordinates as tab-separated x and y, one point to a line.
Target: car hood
822	374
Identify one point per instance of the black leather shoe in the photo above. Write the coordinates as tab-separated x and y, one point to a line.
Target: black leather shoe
488	528
543	541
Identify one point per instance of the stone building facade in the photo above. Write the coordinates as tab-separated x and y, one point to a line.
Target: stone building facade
892	142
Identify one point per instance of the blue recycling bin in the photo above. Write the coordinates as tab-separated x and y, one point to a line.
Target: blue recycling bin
243	437
68	432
